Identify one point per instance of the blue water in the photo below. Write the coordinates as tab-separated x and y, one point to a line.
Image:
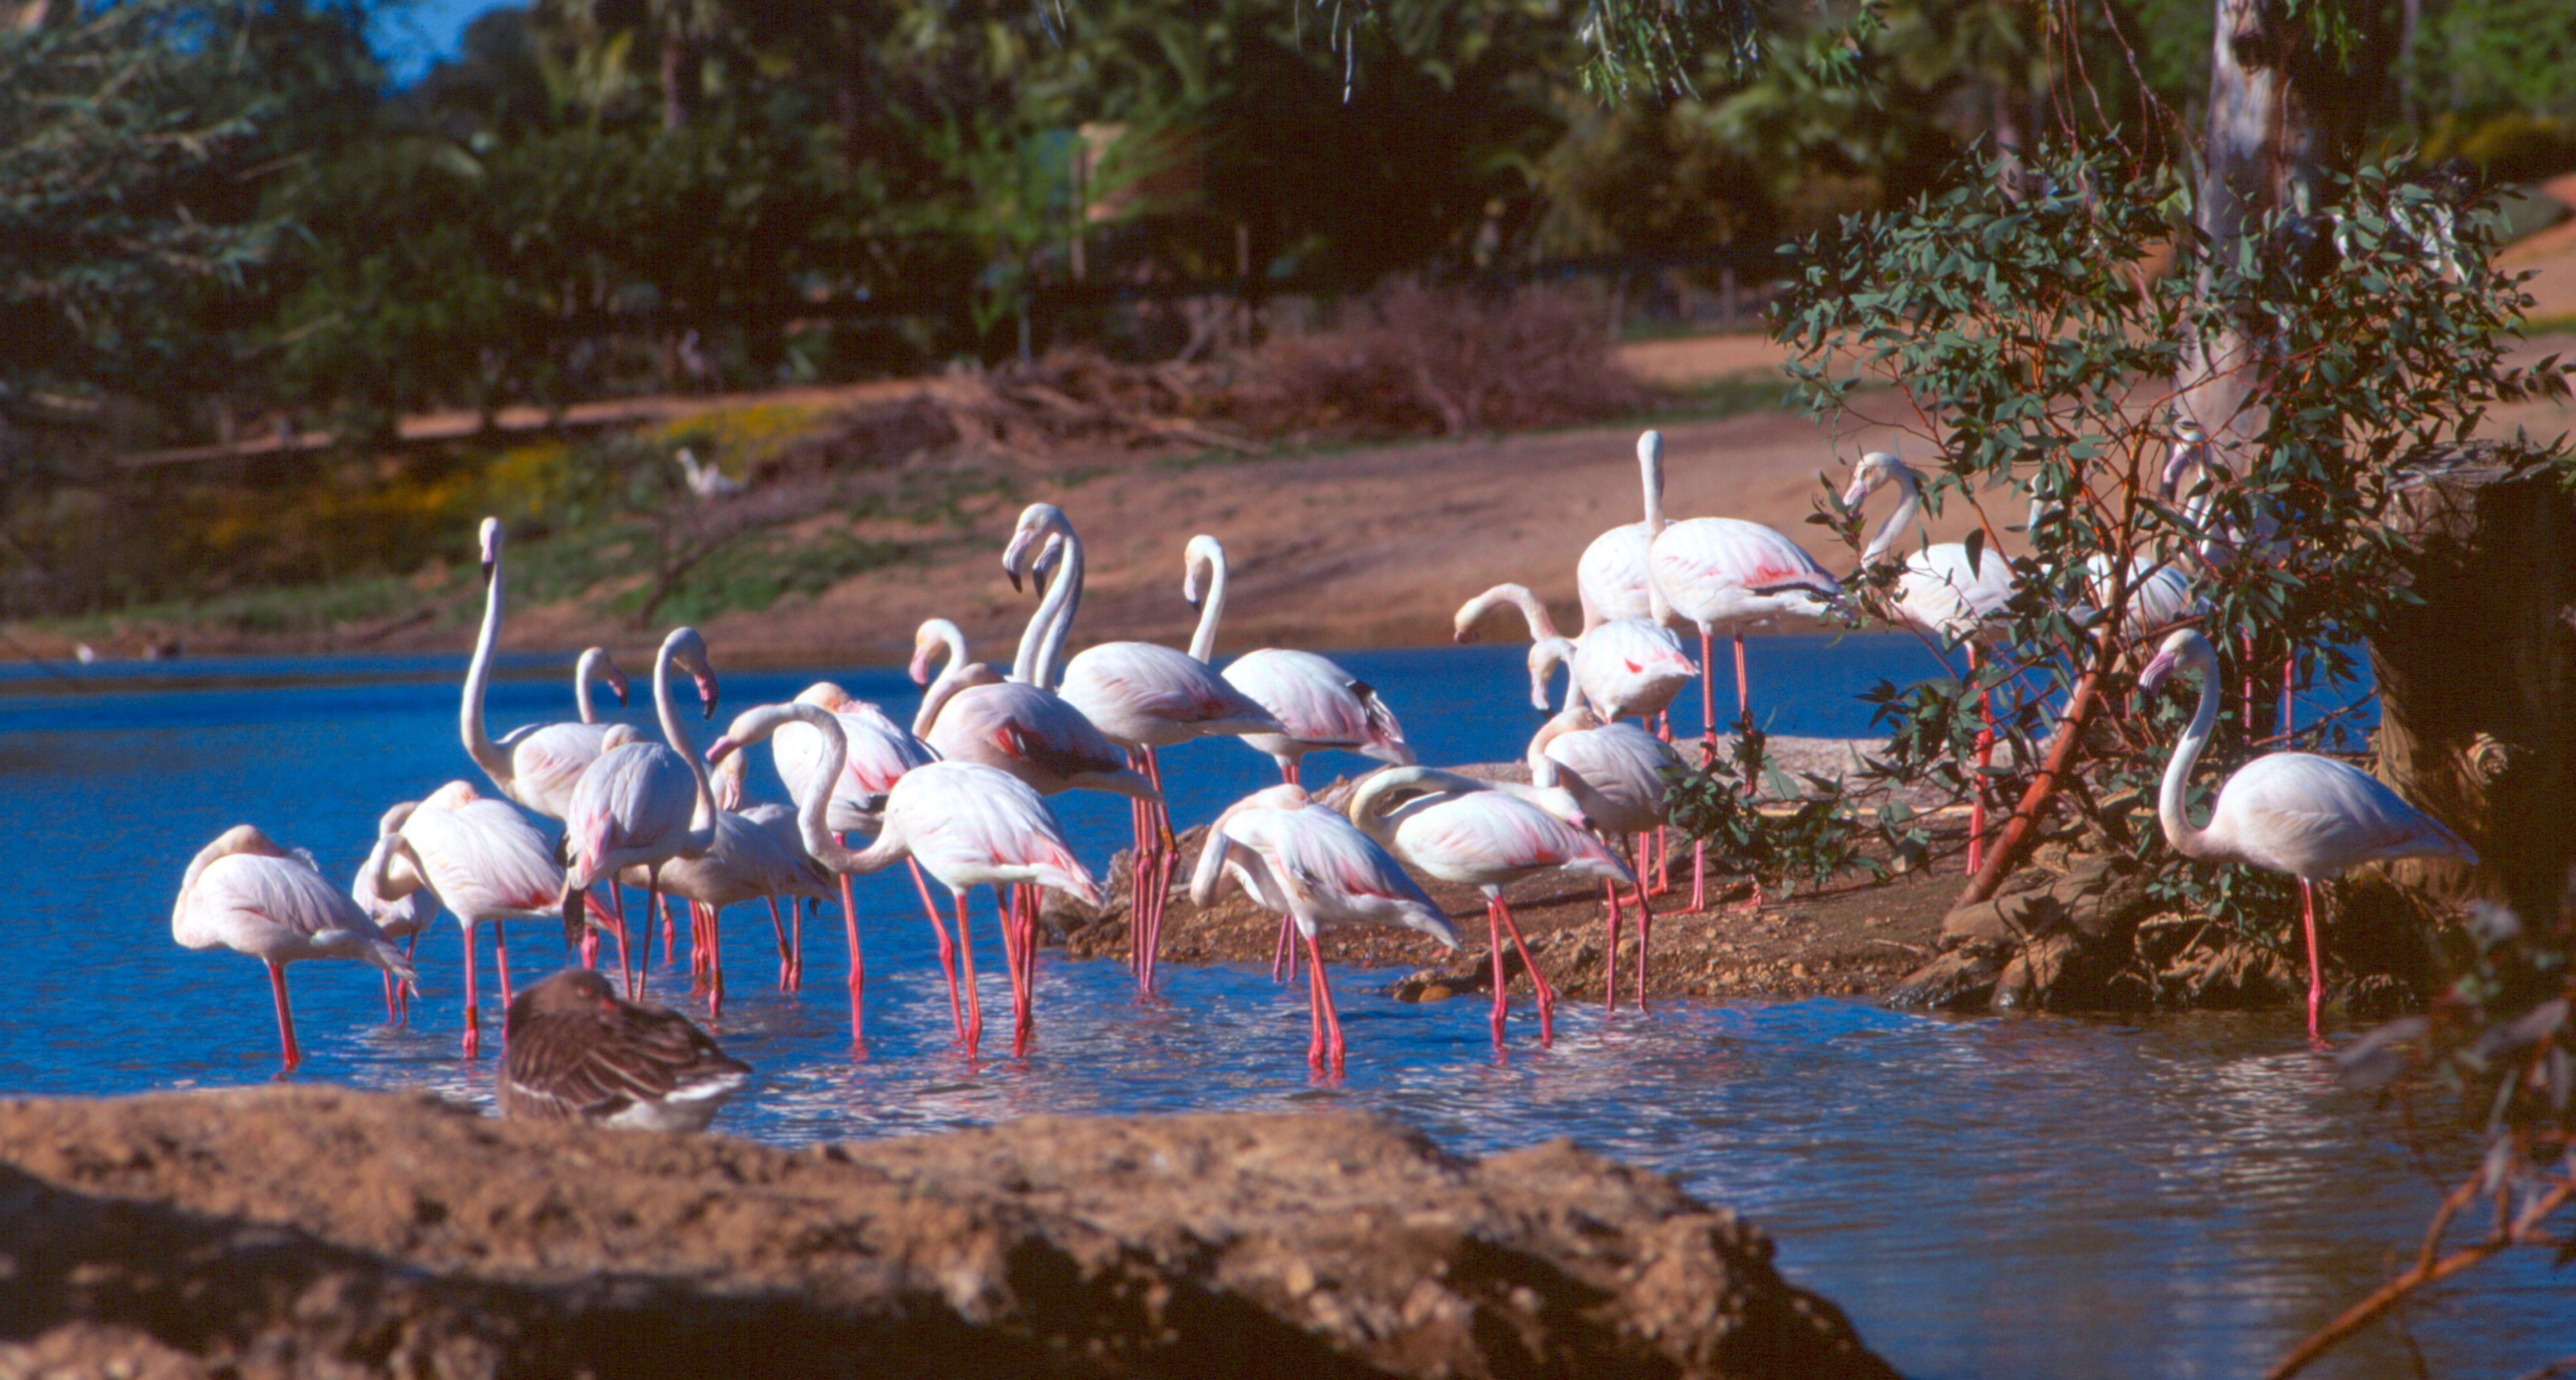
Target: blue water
2038	1197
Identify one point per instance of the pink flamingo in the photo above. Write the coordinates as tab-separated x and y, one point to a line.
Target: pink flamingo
1619	774
1940	594
2294	812
1293	856
1723	574
758	855
1611	577
878	751
1141	696
1485	834
245	893
481	860
643	803
401	918
1316	703
1627	667
539	764
968	825
970	715
574	1052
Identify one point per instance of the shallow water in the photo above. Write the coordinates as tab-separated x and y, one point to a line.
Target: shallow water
2182	1196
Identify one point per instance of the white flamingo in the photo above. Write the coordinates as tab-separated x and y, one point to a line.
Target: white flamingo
482	860
1141	696
1627	667
877	752
644	803
536	765
1293	856
1941	594
2294	812
401	918
1485	834
758	855
1621	777
245	893
968	825
1318	704
1611	577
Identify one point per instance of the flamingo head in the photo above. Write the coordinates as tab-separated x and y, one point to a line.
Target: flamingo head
1650	448
1038	522
934	636
597	664
688	651
2185	647
1199	564
491	540
450	796
1874	469
726	779
1545	655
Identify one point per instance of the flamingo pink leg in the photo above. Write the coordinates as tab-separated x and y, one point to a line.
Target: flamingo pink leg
285	1018
947	951
1281	967
858	960
2289	676
644	966
786	960
473	1045
1985	756
501	961
714	932
1502	989
2316	959
1320	993
1610	959
974	999
1538	980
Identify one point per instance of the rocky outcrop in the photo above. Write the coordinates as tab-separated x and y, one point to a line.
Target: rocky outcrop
305	1230
2065	942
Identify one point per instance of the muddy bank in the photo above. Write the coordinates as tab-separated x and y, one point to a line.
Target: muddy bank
301	1231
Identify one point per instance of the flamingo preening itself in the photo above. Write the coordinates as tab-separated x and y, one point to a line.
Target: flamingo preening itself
1627	667
1484	834
1293	856
2294	812
1941	593
481	860
643	803
1141	696
245	893
1620	775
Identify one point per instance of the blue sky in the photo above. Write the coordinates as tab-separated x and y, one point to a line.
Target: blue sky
411	37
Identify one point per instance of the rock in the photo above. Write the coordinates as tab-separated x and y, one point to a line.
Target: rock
307	1230
2068	971
1958	980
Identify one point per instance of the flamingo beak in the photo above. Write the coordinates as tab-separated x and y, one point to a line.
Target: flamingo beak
706	696
2153	678
722	748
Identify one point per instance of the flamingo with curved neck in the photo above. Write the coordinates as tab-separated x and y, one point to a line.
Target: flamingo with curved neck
539	764
1626	666
643	804
1317	703
2294	812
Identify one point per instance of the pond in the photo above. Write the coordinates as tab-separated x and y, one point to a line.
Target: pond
2043	1197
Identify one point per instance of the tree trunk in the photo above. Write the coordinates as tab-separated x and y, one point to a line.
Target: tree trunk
2477	684
676	72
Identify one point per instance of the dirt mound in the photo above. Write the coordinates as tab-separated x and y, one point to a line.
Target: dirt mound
307	1230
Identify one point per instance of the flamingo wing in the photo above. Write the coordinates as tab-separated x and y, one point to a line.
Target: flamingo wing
2314	817
484	859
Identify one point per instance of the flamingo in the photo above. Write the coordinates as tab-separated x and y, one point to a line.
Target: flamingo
1611	577
1318	704
1620	775
1941	593
536	765
968	825
1294	856
1484	834
969	714
1724	574
706	478
481	860
1141	696
758	855
878	751
401	918
2293	812
245	893
1625	666
574	1052
643	803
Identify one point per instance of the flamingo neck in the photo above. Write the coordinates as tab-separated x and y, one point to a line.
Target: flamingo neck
1203	643
2186	840
1893	529
1650	464
581	677
1064	593
702	816
478	674
812	813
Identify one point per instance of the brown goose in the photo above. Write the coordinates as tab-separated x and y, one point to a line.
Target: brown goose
572	1051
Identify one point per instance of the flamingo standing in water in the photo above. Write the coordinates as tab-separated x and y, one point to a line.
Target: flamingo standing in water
878	751
1294	856
643	803
1620	775
245	893
1940	594
2294	812
401	918
1317	703
481	860
1485	834
758	855
1141	696
968	825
